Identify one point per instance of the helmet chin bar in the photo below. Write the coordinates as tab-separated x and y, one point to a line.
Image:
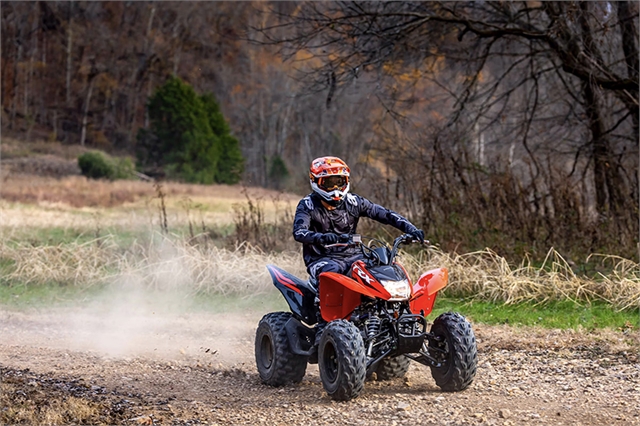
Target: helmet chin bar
334	197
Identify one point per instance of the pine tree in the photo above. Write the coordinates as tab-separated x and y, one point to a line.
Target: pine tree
231	164
188	137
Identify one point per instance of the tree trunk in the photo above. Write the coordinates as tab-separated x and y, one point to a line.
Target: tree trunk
609	185
42	89
69	41
629	34
14	101
55	123
83	134
175	35
599	149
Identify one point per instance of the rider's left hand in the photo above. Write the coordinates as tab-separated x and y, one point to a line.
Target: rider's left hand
418	235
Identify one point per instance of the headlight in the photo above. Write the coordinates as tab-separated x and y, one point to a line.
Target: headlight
399	290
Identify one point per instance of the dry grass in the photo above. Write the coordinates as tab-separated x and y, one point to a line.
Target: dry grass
31	203
15	148
50	203
78	191
485	275
169	264
173	263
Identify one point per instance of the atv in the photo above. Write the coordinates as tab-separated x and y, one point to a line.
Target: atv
372	320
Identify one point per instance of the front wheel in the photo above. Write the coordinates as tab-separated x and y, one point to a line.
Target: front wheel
277	365
341	360
456	349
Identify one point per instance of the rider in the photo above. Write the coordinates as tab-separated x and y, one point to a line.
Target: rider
330	211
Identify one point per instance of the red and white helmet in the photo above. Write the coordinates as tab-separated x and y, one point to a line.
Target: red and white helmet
330	179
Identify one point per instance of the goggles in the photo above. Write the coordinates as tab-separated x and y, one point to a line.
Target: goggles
330	183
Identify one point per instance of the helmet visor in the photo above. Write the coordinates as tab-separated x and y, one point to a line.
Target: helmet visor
330	183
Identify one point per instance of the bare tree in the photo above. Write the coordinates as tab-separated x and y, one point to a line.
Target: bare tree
559	77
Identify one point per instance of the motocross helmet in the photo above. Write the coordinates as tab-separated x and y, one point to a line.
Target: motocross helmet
329	178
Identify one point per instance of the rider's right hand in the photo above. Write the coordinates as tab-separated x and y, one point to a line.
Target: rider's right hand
328	238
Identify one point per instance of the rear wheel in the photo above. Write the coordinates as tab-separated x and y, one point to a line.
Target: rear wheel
341	360
456	350
392	367
277	365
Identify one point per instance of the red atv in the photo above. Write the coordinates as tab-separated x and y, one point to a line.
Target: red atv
371	321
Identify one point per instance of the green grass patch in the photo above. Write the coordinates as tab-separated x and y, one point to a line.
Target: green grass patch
561	314
21	297
25	297
55	236
122	236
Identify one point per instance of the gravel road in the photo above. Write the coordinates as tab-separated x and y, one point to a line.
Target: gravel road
199	369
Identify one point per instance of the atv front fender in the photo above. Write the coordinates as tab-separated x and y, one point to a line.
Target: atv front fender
340	295
426	290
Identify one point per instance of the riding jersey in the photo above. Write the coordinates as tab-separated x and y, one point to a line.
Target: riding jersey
313	219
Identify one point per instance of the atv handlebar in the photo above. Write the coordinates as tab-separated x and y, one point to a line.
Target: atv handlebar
405	239
346	240
355	240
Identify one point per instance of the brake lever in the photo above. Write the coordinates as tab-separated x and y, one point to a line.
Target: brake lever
424	243
337	245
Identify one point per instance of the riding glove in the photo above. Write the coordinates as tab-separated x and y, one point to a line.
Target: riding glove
418	234
328	238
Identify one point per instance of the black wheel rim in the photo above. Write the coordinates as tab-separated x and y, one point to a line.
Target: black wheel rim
442	353
266	350
330	362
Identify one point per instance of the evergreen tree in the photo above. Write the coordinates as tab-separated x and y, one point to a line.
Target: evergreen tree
231	163
189	137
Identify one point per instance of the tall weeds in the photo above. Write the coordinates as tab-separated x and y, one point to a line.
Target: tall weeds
174	263
485	275
167	263
251	226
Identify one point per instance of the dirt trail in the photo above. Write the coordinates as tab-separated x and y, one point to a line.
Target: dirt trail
199	369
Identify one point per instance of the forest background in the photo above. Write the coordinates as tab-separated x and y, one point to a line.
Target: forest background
508	125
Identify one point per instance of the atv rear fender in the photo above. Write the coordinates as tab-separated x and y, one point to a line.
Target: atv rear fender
298	294
426	290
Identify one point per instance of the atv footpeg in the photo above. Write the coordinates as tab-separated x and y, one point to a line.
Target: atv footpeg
412	330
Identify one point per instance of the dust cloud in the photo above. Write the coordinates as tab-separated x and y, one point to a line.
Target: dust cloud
130	318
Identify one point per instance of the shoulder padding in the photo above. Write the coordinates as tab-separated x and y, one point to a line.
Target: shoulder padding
308	202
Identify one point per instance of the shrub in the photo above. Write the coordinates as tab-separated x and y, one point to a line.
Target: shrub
124	168
96	165
278	172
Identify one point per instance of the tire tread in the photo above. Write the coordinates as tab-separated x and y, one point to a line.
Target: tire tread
350	349
460	374
289	367
392	367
